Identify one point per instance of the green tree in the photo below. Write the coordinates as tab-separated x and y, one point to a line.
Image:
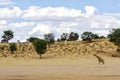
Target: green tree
8	34
87	36
95	36
49	38
73	36
13	47
114	37
40	46
31	39
101	37
63	37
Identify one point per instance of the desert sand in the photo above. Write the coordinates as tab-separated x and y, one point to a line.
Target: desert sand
48	68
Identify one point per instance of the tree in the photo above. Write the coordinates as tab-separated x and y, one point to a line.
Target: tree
49	38
73	36
63	37
87	36
114	37
13	47
31	39
101	37
8	34
95	36
40	46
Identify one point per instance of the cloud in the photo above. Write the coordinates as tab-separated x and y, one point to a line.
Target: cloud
90	11
7	13
37	21
40	29
49	13
3	23
6	2
22	24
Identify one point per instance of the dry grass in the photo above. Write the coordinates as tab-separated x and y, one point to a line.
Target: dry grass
62	61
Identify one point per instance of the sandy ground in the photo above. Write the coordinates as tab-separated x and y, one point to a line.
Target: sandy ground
83	68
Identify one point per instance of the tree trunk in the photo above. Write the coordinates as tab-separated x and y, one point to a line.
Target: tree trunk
40	56
48	45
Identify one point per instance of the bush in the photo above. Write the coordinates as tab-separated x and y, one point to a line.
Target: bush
40	46
13	47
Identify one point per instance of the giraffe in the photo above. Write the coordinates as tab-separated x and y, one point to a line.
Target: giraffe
100	60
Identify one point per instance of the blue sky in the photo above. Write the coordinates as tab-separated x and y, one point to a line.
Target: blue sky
111	6
38	17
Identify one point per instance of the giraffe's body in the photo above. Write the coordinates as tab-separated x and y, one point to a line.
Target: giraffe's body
100	60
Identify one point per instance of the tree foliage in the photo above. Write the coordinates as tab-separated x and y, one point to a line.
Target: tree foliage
8	34
101	37
69	37
49	38
31	39
40	46
87	36
13	47
63	37
115	37
73	36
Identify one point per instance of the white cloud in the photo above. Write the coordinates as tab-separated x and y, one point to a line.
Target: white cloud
90	11
6	2
7	13
34	12
41	29
102	32
22	24
3	23
37	21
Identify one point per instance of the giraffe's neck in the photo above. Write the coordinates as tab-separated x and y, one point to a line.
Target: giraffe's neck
97	56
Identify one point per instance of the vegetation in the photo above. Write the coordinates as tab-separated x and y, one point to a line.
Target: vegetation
49	38
87	36
73	36
13	47
40	46
115	37
101	37
69	37
32	39
8	34
63	37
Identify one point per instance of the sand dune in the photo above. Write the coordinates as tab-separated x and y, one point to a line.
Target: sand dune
62	61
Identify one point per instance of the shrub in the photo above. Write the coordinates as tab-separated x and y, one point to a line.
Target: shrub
40	46
13	47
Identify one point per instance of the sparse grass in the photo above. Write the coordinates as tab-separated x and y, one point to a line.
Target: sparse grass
72	48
